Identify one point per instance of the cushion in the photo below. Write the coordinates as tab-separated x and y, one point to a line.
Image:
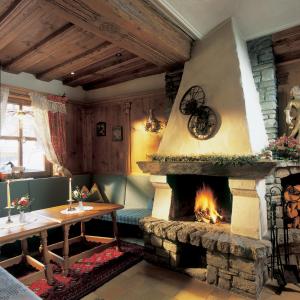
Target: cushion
129	216
139	192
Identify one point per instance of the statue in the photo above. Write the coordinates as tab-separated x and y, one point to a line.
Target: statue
292	113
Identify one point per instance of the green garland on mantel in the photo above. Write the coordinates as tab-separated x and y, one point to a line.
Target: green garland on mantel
220	160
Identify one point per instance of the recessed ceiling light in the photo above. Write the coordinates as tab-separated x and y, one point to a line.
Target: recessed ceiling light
72	73
118	54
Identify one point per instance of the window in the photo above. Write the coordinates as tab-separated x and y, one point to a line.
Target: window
18	143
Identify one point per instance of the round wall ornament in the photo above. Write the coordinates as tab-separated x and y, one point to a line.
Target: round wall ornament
192	100
203	124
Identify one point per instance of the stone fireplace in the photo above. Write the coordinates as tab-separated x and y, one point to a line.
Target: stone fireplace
231	253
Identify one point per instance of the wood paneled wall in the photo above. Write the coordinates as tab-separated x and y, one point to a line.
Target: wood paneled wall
130	112
74	161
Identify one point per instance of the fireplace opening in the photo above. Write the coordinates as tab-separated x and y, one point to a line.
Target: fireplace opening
192	257
203	198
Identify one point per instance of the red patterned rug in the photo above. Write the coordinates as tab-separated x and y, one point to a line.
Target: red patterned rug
88	274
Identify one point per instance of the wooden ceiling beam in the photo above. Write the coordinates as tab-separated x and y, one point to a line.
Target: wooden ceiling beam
78	62
116	60
19	17
101	73
131	25
140	71
43	48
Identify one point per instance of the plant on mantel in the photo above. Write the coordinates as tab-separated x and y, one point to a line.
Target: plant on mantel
215	159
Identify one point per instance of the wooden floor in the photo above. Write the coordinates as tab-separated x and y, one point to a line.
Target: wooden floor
147	282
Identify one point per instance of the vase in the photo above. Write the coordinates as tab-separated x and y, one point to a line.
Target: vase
22	217
80	205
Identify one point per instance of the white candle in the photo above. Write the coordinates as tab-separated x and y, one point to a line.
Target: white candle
8	195
70	188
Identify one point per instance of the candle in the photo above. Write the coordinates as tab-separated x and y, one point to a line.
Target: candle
8	195
70	188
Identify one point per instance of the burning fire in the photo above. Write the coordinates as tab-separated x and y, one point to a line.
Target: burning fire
205	206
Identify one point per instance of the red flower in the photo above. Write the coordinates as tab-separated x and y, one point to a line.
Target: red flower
84	195
23	202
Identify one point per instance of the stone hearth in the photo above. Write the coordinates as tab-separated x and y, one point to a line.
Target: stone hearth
233	262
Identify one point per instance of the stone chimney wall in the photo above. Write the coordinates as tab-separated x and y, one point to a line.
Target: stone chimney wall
264	72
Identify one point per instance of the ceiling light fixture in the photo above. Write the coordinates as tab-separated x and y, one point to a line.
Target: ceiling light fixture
72	73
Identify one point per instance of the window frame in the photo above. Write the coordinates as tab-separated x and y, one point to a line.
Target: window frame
20	138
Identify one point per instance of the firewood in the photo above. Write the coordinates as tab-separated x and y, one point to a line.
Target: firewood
292	212
292	193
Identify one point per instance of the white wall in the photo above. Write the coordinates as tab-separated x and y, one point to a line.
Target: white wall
215	66
55	87
143	84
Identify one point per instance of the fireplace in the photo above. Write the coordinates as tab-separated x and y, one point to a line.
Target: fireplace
233	223
207	191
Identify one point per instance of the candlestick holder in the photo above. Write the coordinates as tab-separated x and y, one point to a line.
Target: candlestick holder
9	220
71	208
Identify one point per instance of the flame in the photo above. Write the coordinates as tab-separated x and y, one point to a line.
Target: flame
205	205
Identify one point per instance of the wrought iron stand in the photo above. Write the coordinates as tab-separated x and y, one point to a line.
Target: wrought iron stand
282	272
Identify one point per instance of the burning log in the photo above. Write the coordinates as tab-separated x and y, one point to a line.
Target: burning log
205	206
292	197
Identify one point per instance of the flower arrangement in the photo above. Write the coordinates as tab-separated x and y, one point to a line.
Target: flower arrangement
21	203
80	194
285	148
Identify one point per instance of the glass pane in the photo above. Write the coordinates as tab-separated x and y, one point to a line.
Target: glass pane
11	126
9	151
27	122
33	157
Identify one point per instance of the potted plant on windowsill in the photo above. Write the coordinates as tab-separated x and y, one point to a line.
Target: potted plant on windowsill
21	204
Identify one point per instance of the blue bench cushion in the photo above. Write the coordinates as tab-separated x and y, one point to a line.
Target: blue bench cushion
129	216
139	192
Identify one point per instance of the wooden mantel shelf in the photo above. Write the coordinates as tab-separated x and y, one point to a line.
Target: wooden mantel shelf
255	170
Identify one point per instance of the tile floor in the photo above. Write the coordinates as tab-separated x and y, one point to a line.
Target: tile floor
148	282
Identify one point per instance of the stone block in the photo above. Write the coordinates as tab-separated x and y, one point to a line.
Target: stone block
160	228
183	235
171	246
156	241
225	274
210	240
282	172
247	276
196	237
268	74
245	265
162	252
217	260
294	170
147	238
174	259
164	261
212	275
197	273
271	123
245	285
224	283
268	105
172	232
223	244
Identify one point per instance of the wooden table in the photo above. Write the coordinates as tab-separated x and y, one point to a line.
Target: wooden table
67	220
38	227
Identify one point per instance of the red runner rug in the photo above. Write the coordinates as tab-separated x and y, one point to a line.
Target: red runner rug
86	275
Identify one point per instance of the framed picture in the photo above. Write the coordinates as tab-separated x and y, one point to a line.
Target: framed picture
117	133
101	129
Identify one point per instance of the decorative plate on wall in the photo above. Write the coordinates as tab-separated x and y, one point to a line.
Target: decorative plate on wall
203	124
192	100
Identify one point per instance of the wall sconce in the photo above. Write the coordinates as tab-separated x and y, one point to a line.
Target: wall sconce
152	124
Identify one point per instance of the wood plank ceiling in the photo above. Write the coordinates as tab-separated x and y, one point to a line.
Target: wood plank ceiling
91	43
286	45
